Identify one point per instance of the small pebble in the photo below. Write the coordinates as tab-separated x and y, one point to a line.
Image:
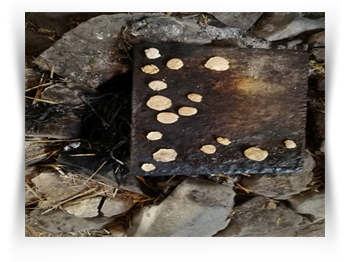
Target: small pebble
256	154
152	53
290	144
157	85
165	155
217	63
187	111
148	167
159	103
208	149
154	135
174	64
150	69
167	117
195	97
223	141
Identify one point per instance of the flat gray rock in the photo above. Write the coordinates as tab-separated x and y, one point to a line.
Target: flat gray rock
319	54
196	208
317	40
253	219
66	93
282	25
244	20
309	203
85	208
61	221
116	206
312	230
281	186
35	152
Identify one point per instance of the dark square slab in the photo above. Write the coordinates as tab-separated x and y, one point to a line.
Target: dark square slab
259	101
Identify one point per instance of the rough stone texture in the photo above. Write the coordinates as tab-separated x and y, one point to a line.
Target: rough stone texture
116	206
312	230
60	22
32	78
85	208
244	20
67	126
196	208
281	186
55	187
94	51
317	40
66	93
35	152
319	54
36	43
60	221
309	203
251	220
282	25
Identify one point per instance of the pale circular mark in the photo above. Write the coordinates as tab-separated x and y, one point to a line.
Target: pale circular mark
165	155
223	141
154	135
256	154
187	111
167	117
150	69
208	149
157	85
152	53
159	103
195	97
290	144
217	63
174	64
148	167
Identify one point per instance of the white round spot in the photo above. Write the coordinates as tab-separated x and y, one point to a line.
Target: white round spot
159	103
152	53
174	64
187	111
217	63
167	117
148	167
256	154
150	69
165	155
208	149
157	85
154	135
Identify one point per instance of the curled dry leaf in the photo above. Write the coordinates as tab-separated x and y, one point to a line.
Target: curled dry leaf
256	154
148	167
157	85
167	117
208	149
154	135
159	103
223	141
152	53
187	111
165	155
217	63
195	97
150	69
174	64
290	144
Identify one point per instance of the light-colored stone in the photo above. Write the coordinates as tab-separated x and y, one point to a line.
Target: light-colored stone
187	111
150	69
281	186
56	187
223	141
159	103
208	149
195	97
152	53
148	167
35	152
85	208
217	63
309	203
290	144
165	155
116	206
157	85
174	64
253	219
167	117
256	154
154	135
196	208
